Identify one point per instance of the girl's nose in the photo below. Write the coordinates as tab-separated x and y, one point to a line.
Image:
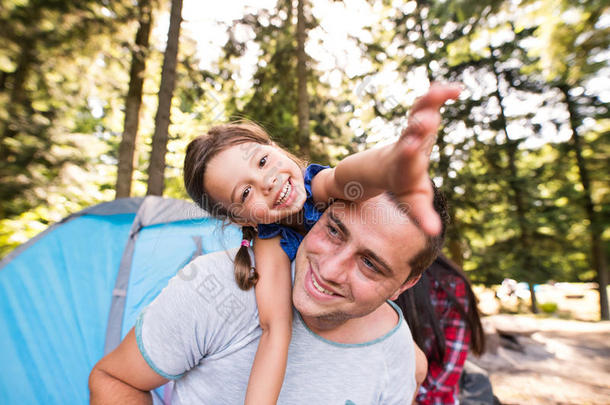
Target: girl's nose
269	182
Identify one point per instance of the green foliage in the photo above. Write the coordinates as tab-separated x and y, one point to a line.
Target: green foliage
76	187
47	48
509	172
515	201
272	99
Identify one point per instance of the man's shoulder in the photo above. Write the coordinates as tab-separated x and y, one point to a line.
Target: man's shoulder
387	320
399	352
209	282
399	327
211	269
396	340
217	262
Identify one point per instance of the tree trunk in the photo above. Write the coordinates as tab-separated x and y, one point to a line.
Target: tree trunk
16	106
515	185
303	102
533	298
133	101
595	228
456	249
168	78
3	77
18	97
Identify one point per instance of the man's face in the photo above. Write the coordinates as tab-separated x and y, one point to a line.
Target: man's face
354	259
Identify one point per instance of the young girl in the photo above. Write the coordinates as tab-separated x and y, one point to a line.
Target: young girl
236	172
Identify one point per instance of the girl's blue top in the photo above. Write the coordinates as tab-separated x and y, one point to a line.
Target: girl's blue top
291	239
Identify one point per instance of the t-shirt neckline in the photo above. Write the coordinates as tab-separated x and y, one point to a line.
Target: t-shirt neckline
363	344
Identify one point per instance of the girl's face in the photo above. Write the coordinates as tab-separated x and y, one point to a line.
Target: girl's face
257	184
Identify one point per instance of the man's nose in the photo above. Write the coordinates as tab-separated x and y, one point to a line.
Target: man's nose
336	265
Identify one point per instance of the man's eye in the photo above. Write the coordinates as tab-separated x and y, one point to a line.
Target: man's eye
332	231
263	161
369	264
245	194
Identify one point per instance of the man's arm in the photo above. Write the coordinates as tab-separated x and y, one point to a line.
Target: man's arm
199	313
123	376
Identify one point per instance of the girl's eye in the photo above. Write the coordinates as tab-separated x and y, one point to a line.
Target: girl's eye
263	161
245	194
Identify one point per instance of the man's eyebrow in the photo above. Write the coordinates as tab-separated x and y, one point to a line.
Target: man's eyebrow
339	224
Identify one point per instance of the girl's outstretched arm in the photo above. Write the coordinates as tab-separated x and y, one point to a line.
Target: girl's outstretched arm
401	168
274	300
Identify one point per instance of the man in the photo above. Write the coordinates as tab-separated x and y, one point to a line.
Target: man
349	345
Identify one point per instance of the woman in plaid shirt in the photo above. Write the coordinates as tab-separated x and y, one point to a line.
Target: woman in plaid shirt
442	313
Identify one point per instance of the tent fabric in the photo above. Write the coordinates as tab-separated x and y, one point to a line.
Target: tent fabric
120	206
67	293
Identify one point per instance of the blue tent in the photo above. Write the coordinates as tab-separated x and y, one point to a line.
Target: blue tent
72	293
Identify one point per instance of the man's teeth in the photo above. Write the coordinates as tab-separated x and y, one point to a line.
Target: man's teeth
285	193
320	288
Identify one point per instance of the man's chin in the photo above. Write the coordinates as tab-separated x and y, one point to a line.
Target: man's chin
309	311
332	318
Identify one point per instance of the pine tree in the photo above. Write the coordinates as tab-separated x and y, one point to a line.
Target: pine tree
568	61
46	50
279	98
133	100
302	96
156	169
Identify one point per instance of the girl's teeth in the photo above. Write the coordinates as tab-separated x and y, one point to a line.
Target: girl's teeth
285	193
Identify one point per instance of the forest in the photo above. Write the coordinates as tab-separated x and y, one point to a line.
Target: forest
98	100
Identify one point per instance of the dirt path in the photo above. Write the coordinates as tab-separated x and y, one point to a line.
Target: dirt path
549	361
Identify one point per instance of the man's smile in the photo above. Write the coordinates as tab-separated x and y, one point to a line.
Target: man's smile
318	289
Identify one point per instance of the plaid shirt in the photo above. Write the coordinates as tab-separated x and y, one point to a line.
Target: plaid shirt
441	383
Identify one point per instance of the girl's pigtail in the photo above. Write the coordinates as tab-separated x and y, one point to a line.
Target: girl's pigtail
245	274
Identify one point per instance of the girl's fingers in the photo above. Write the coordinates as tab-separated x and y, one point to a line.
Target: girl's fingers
421	130
421	210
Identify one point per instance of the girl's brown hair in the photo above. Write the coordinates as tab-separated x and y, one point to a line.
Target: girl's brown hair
198	154
423	320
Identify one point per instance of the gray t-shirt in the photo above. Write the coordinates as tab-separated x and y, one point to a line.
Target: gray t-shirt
203	332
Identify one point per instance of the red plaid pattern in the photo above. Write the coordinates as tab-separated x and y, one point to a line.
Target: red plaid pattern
441	383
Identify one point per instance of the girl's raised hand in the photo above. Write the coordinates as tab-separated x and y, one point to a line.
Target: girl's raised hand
409	178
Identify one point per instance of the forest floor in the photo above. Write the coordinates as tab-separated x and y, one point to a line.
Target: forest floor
558	359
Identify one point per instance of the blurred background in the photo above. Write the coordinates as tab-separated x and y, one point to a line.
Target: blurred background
98	100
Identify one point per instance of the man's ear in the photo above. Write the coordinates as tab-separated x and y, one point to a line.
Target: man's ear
405	286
